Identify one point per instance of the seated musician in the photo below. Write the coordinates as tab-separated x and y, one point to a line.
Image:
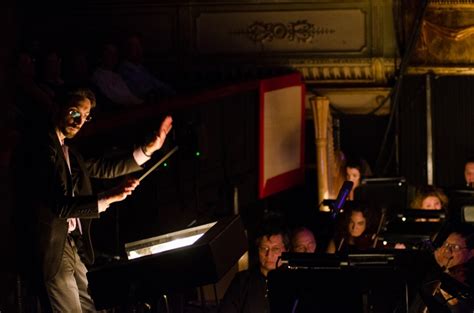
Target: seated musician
429	198
302	240
469	172
356	170
248	290
354	231
454	258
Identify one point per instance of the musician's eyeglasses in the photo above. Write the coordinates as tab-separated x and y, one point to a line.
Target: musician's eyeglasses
77	116
274	250
453	247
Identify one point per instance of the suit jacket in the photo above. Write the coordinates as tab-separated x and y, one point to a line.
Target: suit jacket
58	194
246	293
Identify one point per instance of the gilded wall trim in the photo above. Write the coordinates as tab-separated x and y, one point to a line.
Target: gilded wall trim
440	70
450	3
356	70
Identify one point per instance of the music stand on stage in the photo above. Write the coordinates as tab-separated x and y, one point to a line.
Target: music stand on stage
152	273
368	282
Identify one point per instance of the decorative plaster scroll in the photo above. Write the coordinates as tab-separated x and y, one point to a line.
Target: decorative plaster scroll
323	31
301	31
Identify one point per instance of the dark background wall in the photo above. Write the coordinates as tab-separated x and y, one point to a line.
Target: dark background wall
452	128
9	28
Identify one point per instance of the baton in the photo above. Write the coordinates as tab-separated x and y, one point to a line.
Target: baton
158	163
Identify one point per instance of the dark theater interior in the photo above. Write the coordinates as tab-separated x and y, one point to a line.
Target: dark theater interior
237	156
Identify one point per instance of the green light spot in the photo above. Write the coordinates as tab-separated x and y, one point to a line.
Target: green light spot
198	153
165	164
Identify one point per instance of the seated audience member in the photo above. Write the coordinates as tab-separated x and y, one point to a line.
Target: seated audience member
302	240
355	170
77	69
353	233
141	82
453	259
33	103
248	290
469	172
50	78
429	198
109	82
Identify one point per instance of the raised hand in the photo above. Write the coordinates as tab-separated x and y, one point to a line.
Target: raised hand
159	136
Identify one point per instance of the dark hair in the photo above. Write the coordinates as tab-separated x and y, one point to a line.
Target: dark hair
72	97
354	164
272	229
343	231
470	159
361	164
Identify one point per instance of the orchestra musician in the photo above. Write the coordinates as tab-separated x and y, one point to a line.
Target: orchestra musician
354	233
449	278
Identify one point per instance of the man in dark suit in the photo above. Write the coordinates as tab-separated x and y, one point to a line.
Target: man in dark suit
60	202
248	290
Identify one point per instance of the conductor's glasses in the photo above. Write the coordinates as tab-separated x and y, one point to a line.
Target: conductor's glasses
77	116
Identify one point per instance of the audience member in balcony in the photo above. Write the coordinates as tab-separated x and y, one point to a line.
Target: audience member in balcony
453	259
35	106
53	221
77	69
302	240
139	79
248	290
109	82
355	170
50	72
354	231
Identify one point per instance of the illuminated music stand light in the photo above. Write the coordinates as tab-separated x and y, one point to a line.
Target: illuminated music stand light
170	241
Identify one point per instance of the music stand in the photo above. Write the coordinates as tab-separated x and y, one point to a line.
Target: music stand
388	193
331	283
144	278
